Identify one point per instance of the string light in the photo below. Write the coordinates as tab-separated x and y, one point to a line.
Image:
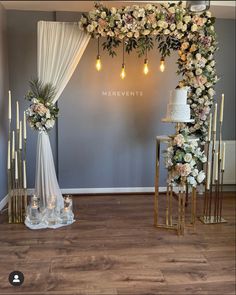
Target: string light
145	68
162	65
98	60
123	73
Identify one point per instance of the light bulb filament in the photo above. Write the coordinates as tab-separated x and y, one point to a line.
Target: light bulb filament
98	63
145	68
123	73
162	65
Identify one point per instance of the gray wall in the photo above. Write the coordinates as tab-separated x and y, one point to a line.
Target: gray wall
4	80
108	141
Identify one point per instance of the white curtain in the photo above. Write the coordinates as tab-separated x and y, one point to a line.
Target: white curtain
60	48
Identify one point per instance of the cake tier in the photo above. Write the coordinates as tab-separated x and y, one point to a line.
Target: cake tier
178	112
179	96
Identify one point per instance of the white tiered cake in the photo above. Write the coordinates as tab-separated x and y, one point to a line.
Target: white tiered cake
177	109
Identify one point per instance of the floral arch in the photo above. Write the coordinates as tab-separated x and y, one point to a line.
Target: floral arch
174	28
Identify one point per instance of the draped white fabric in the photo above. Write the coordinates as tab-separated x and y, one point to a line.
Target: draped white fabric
60	47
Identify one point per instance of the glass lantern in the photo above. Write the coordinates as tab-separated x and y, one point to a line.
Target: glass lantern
51	216
33	211
67	215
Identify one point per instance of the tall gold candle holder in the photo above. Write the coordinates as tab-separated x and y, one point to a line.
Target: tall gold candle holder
213	198
17	191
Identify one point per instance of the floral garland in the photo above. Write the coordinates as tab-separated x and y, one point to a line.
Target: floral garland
174	28
42	113
182	158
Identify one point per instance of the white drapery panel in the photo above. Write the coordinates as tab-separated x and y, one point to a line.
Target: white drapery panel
60	48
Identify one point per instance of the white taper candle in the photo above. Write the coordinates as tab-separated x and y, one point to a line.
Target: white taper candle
216	166
24	175
16	166
24	126
9	155
17	115
222	108
13	145
215	118
20	136
209	127
208	175
9	104
223	156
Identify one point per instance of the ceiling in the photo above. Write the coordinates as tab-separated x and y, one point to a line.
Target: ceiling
220	9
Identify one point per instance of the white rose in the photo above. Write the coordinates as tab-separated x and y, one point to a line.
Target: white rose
179	25
192	163
103	15
211	91
195	172
49	124
198	91
187	19
136	34
188	157
208	13
204	159
130	34
212	63
111	34
172	10
209	68
198	72
184	28
200	177
146	32
166	32
194	28
113	10
172	27
83	20
192	181
165	25
90	28
149	6
198	56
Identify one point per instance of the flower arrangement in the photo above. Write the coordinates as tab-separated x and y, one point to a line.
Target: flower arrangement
174	28
182	158
42	113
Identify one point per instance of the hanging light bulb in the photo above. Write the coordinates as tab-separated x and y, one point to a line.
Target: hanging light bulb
123	73
98	63
145	68
98	60
162	65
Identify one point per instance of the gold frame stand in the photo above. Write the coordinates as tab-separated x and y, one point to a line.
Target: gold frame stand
181	196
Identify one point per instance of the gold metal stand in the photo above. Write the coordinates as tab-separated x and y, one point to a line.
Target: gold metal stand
17	194
213	199
169	222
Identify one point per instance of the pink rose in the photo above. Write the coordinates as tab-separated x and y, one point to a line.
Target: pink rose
102	23
179	140
40	109
183	169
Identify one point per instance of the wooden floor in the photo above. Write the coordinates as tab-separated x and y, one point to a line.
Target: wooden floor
113	248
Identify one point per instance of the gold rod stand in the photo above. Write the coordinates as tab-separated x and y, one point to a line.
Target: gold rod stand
216	186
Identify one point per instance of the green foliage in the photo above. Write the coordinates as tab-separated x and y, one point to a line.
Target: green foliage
110	45
145	43
166	44
43	92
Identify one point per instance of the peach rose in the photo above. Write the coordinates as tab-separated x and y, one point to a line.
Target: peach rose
40	109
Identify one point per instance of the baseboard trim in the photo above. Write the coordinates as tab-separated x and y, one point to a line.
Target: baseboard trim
110	190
